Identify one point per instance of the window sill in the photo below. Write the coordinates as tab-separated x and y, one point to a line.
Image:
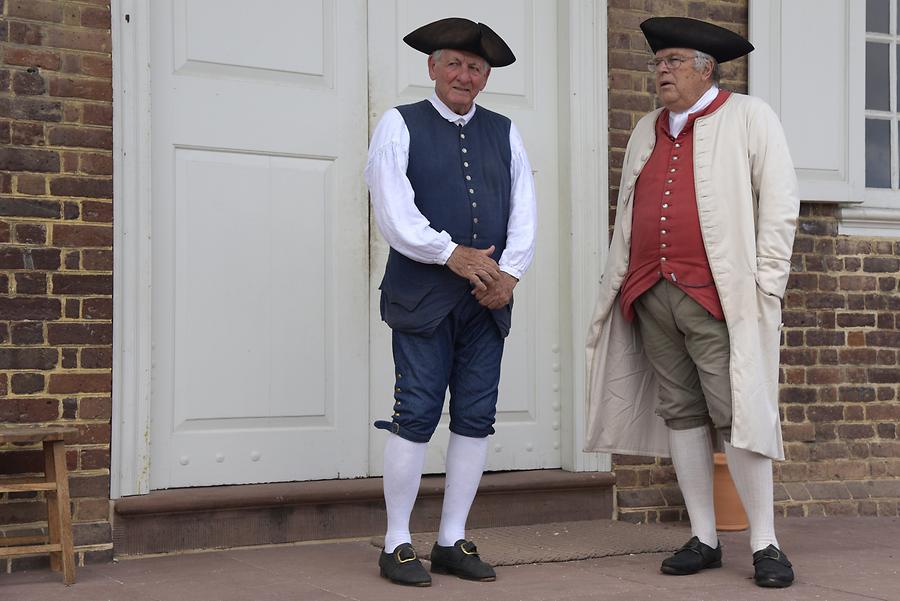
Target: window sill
869	221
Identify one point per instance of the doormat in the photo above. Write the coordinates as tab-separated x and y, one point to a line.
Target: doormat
562	541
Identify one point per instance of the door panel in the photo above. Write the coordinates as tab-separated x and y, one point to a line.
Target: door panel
528	411
260	241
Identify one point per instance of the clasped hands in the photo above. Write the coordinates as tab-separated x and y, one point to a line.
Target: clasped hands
491	287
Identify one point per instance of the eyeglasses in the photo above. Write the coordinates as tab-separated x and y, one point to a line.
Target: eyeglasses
671	62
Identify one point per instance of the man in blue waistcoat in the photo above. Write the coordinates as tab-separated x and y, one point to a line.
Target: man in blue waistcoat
453	195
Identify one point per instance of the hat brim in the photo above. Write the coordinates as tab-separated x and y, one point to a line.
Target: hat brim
462	34
682	32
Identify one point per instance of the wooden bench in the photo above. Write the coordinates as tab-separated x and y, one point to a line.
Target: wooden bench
55	484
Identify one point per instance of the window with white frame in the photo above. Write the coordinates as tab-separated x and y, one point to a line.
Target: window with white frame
882	114
830	70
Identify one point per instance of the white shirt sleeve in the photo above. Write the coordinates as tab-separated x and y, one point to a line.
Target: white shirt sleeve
399	219
522	226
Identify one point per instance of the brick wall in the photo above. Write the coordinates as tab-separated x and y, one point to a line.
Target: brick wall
839	363
56	253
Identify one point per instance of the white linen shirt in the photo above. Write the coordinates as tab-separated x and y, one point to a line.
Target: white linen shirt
677	121
408	231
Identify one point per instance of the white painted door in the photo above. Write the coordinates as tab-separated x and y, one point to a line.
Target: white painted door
528	411
260	241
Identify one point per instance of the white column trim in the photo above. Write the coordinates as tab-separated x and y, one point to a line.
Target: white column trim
589	207
130	449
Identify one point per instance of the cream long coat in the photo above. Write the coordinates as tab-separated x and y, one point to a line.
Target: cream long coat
748	204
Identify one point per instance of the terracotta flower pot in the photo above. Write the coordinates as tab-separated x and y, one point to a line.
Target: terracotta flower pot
730	514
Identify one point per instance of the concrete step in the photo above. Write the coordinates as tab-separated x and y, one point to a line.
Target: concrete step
221	517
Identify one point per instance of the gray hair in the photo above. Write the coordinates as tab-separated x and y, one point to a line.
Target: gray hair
436	56
700	62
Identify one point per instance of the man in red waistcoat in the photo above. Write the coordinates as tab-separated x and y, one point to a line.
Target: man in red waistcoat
686	332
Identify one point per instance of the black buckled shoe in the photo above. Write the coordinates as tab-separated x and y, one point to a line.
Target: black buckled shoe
403	567
461	560
691	558
771	568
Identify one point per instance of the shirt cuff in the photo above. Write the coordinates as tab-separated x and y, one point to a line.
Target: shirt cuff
513	272
445	255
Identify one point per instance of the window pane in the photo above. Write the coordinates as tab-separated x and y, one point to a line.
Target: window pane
878	16
878	96
878	153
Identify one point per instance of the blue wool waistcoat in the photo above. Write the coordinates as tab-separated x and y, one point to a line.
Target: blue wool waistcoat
461	180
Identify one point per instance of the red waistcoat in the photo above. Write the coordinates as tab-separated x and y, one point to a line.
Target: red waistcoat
666	241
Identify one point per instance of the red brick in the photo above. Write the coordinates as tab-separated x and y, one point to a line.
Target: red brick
98	18
855	431
82	284
858	356
881	265
78	39
73	260
825	301
97	308
821	451
31	283
28	82
884	376
96	164
27	332
77	87
31	57
19	159
35	10
31	233
97	114
72	308
858	283
891	339
633	460
797	395
26	33
799	432
81	137
856	339
81	186
98	260
30	308
824	338
97	358
96	408
29	410
92	434
823	375
82	236
91	333
854	320
31	184
97	211
89	486
74	383
88	510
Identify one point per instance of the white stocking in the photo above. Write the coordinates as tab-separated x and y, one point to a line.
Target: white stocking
465	464
752	475
403	463
692	456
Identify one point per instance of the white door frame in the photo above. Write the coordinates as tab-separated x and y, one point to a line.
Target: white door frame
585	43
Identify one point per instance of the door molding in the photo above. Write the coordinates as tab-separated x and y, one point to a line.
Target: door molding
589	210
130	453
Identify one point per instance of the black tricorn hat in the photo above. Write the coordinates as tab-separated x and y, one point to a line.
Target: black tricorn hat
682	32
462	34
